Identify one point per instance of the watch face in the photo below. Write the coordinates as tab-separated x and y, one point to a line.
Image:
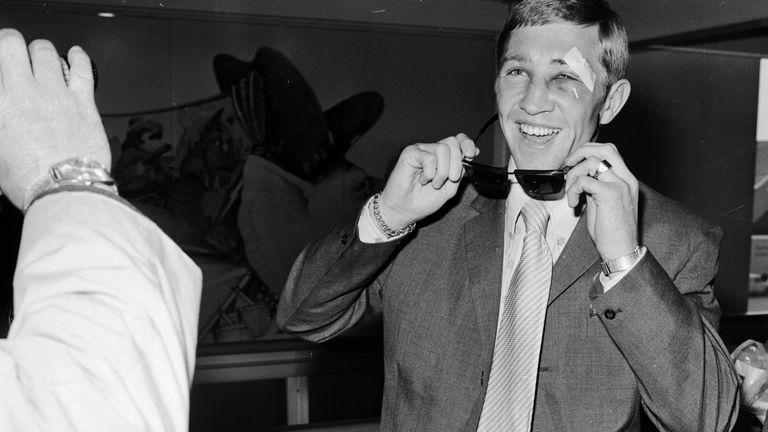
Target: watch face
81	170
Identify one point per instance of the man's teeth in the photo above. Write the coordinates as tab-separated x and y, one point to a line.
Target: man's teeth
537	131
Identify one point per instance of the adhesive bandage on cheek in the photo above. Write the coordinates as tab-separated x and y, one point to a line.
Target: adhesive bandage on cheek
579	64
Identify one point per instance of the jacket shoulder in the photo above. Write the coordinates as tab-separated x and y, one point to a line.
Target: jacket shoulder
667	227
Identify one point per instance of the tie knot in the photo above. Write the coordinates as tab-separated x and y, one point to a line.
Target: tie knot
535	216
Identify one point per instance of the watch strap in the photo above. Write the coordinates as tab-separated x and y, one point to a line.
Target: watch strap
83	188
622	263
80	173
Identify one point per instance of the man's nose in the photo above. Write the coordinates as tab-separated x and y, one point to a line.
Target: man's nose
536	98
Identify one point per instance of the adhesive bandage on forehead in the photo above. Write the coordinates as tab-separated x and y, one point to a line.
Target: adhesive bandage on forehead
581	67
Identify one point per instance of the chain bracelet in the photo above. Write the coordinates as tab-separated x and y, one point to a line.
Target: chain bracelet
383	225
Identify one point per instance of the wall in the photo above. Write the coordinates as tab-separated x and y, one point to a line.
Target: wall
688	131
649	19
433	84
466	15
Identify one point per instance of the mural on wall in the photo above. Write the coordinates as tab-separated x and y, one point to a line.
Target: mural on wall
254	177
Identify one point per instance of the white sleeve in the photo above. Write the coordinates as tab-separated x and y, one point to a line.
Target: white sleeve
105	330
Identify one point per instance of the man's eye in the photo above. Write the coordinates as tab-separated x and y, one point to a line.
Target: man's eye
515	72
566	77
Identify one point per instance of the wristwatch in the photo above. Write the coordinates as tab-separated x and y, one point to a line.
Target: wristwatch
622	263
72	174
87	172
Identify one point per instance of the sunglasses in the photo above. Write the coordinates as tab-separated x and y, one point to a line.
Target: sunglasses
494	182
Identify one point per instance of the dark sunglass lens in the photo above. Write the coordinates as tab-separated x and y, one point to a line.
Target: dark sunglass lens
488	178
542	185
489	183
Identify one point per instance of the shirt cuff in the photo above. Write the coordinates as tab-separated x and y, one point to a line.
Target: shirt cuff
368	229
609	282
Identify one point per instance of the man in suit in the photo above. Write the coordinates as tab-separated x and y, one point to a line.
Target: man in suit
105	305
606	312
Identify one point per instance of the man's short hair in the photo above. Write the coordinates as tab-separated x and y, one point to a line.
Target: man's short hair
614	51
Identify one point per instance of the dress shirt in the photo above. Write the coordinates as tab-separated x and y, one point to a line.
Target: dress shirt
105	329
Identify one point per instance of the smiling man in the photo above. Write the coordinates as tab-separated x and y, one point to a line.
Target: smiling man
582	307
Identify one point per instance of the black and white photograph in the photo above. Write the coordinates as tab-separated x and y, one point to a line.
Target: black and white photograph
383	215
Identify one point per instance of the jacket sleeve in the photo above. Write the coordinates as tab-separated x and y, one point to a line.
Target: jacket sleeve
104	335
666	328
332	283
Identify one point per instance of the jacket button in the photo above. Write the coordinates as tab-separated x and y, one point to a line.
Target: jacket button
609	314
344	239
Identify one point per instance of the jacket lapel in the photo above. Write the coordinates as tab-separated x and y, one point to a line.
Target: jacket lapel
579	255
484	240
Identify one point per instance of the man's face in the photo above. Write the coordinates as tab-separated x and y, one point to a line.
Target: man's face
546	108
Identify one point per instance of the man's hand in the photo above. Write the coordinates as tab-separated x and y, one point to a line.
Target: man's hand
611	198
425	177
43	118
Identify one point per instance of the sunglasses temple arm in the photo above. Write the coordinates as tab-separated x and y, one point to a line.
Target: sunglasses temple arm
482	167
486	125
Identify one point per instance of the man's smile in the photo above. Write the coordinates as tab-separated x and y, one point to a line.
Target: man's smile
539	134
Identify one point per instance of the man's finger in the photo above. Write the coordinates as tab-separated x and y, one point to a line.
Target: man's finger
468	149
428	163
14	59
81	79
590	185
46	63
456	167
574	189
442	152
584	168
599	152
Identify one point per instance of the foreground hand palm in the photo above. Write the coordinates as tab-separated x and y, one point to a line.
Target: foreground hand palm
44	119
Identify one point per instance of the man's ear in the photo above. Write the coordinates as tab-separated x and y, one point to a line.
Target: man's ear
617	97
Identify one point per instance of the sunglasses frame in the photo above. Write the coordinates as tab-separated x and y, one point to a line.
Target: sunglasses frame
538	184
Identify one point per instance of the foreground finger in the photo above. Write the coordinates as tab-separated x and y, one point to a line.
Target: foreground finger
14	60
468	148
81	73
46	63
456	145
81	79
443	152
589	167
597	150
591	177
427	162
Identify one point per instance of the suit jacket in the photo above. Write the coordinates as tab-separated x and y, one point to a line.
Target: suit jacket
105	326
649	343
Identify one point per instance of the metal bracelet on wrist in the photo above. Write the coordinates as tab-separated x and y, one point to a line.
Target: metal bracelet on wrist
621	263
79	172
383	225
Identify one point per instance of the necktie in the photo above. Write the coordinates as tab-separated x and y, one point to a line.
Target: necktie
512	384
